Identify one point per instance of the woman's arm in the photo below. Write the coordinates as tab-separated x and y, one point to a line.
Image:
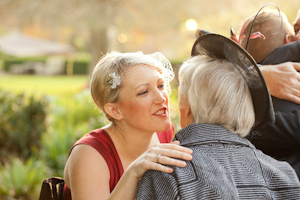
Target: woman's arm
283	80
87	174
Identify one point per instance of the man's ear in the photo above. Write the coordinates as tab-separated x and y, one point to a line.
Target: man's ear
112	110
288	39
292	38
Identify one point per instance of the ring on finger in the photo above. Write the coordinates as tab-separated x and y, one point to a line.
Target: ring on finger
157	158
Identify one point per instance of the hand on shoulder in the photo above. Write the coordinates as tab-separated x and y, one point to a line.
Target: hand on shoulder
283	80
160	155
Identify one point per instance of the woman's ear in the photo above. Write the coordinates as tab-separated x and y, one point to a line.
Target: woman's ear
185	113
187	109
112	110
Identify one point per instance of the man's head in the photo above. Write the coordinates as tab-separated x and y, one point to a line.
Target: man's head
270	30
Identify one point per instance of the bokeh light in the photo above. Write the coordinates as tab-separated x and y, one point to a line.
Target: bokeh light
191	24
122	38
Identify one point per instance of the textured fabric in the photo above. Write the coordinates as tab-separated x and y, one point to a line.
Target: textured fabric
281	140
101	141
288	52
224	166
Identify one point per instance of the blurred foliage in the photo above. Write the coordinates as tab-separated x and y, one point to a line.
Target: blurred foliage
95	26
8	62
21	180
80	65
69	120
22	123
62	86
43	128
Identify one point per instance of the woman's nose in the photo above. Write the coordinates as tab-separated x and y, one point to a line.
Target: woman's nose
160	96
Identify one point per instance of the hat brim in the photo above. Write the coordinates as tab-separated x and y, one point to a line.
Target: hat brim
221	47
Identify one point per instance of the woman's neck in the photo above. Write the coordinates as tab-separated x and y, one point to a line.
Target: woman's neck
131	143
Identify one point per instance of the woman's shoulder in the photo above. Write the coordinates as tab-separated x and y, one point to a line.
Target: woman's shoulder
94	137
98	140
85	162
91	144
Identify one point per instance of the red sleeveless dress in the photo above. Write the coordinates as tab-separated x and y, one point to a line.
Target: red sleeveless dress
101	141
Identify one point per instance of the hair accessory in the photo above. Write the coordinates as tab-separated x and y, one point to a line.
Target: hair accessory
221	47
115	80
124	66
255	18
255	35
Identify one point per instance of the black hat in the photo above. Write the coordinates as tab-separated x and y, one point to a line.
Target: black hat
221	47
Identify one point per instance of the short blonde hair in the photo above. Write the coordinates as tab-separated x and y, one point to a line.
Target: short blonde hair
267	22
217	94
102	90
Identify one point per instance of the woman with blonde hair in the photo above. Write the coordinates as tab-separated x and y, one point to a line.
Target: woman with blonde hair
132	89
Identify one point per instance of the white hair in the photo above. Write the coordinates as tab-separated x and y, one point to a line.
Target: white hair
217	94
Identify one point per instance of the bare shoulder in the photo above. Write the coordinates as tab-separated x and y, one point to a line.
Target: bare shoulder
86	173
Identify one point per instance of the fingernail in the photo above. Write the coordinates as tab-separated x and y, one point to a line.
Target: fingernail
170	170
189	157
183	164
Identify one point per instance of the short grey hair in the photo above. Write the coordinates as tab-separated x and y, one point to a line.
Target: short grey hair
217	94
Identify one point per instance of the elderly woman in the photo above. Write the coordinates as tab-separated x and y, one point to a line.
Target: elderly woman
222	96
132	90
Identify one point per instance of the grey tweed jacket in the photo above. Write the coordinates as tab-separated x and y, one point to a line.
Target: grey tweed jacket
224	166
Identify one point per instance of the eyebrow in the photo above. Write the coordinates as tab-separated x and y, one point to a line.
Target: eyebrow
147	83
141	85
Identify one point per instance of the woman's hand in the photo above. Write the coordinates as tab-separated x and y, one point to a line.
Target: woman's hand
158	156
283	80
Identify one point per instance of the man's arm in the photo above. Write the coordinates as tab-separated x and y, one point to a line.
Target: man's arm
283	80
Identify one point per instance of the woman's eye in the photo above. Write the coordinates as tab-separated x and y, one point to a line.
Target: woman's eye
144	92
162	86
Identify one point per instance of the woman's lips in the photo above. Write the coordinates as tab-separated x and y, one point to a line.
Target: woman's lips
161	112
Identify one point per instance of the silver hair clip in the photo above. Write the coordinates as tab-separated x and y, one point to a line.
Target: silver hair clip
115	80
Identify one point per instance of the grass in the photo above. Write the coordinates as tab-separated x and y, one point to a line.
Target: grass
44	85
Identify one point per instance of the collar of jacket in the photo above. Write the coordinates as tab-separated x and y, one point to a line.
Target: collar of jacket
203	134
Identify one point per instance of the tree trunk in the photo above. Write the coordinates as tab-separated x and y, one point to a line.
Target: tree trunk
98	45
